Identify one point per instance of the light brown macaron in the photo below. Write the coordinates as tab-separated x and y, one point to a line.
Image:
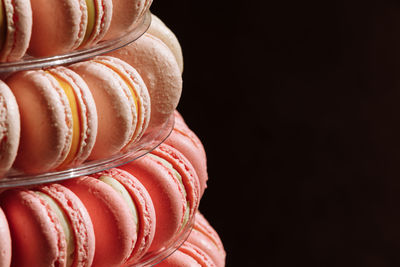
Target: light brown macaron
160	72
161	31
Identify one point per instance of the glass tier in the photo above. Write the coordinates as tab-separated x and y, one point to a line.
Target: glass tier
29	62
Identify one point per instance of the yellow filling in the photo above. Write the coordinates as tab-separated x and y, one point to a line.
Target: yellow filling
91	9
76	122
3	25
65	224
117	186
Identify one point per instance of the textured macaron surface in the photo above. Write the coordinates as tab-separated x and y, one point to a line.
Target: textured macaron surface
160	72
5	241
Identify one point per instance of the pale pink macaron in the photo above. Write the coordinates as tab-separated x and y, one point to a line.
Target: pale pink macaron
49	227
157	66
161	31
173	186
122	100
58	119
10	128
126	14
61	26
142	205
186	141
5	241
205	237
15	29
114	225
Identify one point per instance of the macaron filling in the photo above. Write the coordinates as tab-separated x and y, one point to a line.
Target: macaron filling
136	98
3	25
117	186
177	175
91	12
65	224
76	120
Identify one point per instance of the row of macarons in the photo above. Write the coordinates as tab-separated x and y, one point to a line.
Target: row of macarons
59	117
110	218
46	28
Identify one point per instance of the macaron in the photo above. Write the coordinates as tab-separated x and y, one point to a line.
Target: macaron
61	26
186	141
173	186
114	220
161	31
49	227
5	241
205	237
188	255
58	119
142	203
126	13
157	65
122	100
10	128
15	29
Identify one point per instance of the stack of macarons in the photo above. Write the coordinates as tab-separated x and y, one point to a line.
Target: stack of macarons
111	218
91	110
41	28
60	117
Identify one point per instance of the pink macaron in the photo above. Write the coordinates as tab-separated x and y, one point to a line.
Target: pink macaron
161	31
61	26
126	14
144	207
157	66
114	225
186	141
173	186
122	100
10	128
188	255
205	237
49	227
15	29
58	119
5	241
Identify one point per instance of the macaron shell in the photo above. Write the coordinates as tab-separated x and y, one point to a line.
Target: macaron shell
203	226
10	128
19	29
79	220
46	121
197	254
125	14
187	172
87	112
140	89
179	259
116	112
5	241
187	142
58	27
37	237
161	31
114	227
167	195
144	206
104	11
160	72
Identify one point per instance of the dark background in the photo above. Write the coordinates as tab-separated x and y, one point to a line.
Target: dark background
298	106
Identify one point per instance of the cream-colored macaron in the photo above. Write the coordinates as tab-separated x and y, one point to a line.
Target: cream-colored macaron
161	31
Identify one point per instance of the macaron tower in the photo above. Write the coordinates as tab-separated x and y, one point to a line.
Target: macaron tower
71	121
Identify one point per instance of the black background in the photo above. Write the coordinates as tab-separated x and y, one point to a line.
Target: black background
298	106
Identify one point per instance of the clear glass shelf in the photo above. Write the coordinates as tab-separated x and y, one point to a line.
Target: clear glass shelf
29	62
146	144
